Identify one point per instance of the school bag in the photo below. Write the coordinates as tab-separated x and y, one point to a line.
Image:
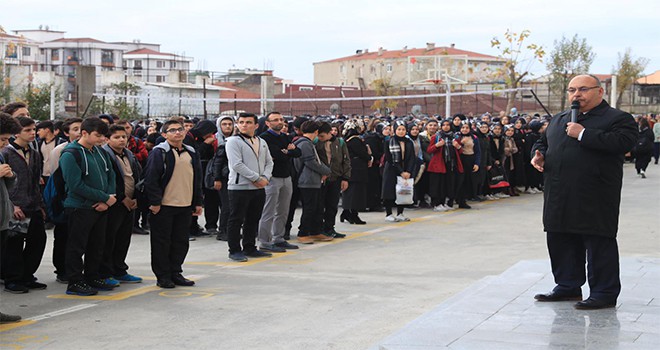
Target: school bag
55	191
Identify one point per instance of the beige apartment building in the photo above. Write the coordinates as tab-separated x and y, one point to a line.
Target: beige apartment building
408	67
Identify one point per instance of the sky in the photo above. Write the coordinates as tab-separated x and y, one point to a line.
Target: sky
288	36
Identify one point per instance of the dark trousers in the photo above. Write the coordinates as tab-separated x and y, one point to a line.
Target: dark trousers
454	186
391	203
61	234
22	254
329	199
117	240
468	188
211	208
374	187
245	211
223	196
169	240
312	209
86	237
568	253
437	188
642	161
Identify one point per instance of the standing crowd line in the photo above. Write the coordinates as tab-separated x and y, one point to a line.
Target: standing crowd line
96	181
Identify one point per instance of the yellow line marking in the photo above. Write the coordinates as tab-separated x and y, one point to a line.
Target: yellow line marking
115	297
10	326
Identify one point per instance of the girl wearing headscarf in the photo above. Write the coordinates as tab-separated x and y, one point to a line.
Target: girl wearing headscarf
510	150
519	158
374	141
400	160
446	190
355	197
470	153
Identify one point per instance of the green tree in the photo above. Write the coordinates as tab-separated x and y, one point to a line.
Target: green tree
5	89
518	57
570	57
628	70
384	87
122	107
37	97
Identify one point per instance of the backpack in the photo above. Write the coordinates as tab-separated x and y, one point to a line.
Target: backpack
54	193
209	174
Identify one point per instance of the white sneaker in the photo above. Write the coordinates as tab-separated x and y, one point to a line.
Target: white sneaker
503	195
643	173
448	207
400	217
439	207
391	218
491	197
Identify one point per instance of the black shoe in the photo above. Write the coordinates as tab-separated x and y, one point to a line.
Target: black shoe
334	234
258	254
286	245
15	288
139	231
222	236
4	318
273	248
100	284
211	231
179	280
554	296
357	220
167	284
464	206
594	304
81	288
345	215
239	257
35	285
198	233
62	279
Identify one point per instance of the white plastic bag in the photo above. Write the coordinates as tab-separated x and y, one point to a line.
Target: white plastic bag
404	191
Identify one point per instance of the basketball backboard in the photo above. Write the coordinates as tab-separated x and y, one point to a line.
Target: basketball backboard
438	69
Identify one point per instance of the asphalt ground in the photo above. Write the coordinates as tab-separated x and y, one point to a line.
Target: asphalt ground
345	294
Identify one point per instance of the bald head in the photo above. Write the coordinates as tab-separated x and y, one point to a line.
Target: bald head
585	89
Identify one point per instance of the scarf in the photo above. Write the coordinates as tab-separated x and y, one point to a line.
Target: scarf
395	148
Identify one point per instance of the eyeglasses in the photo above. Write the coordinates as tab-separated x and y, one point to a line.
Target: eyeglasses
581	89
174	131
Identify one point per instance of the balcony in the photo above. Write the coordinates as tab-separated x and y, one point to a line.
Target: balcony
72	61
108	64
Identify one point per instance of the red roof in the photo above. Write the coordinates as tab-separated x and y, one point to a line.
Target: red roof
77	40
145	51
4	35
240	93
444	50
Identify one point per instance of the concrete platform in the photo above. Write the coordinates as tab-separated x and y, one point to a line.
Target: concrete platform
362	291
499	312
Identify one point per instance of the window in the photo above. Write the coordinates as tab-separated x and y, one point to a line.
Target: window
137	64
138	74
305	88
27	51
389	68
107	56
172	64
55	55
160	78
160	64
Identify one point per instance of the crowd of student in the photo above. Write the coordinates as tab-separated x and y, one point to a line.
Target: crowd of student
99	180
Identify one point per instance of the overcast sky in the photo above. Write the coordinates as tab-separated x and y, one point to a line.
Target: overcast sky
289	35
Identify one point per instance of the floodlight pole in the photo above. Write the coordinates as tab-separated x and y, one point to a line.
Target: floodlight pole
448	100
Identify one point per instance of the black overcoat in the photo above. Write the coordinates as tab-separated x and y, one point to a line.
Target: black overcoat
391	170
583	178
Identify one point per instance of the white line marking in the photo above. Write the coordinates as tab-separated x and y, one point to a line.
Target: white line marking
62	312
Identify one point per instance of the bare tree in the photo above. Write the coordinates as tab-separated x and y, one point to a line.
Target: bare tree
570	57
518	58
627	70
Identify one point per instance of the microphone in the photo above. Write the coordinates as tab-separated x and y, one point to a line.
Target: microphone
575	109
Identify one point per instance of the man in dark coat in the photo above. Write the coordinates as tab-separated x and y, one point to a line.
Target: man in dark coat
583	165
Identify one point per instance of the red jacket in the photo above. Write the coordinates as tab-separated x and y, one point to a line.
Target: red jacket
437	163
136	146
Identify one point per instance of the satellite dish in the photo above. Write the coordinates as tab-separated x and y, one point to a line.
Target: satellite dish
334	109
416	110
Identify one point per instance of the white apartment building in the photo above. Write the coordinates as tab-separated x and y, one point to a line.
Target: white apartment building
152	66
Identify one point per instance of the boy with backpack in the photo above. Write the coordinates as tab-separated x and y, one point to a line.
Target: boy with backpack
90	191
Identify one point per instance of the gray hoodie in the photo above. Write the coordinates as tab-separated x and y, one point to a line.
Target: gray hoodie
6	207
309	165
244	165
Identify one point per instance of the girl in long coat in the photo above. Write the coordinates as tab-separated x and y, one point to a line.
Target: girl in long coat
399	161
355	197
